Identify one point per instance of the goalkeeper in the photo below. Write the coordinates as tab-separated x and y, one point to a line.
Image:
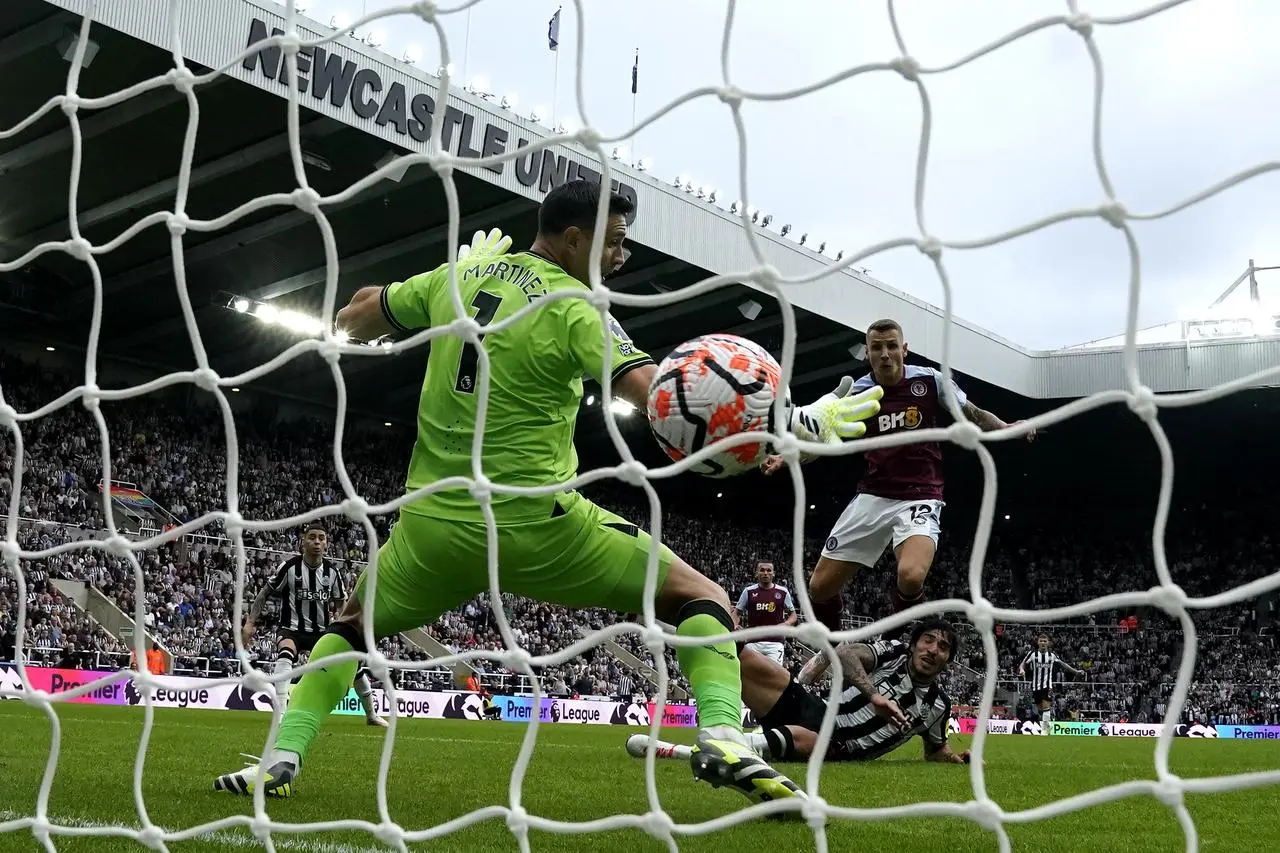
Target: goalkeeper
558	548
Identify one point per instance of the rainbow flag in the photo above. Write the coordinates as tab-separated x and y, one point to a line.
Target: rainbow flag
131	497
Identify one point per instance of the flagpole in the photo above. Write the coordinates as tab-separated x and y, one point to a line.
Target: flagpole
635	137
466	47
553	39
555	91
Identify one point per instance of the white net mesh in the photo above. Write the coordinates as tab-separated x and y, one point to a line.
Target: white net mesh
1166	787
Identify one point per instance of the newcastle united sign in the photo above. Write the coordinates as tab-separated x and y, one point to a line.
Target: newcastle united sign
362	93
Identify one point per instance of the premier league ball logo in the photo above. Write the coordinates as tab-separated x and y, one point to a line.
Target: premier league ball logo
464	706
637	715
9	679
244	699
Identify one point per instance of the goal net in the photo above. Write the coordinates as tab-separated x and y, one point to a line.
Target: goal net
978	610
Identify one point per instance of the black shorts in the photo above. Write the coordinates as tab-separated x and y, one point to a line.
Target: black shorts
795	707
305	641
798	707
1043	695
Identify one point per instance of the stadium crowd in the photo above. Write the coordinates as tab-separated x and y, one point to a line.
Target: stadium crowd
171	454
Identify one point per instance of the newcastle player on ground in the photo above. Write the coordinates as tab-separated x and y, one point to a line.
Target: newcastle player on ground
891	694
1041	662
309	586
899	499
766	603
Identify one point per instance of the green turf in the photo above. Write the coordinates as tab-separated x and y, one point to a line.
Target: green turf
443	769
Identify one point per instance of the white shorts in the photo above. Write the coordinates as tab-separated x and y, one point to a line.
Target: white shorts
870	524
773	651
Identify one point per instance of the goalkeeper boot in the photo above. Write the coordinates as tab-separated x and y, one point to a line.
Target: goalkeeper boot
277	781
721	759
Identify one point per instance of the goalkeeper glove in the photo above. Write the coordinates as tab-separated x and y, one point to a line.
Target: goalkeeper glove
836	416
485	245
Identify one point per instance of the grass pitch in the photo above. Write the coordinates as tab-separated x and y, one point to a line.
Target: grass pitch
443	769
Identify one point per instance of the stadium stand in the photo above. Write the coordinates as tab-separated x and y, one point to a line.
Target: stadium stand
175	458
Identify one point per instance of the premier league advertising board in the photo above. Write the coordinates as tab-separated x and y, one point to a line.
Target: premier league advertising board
176	692
1072	728
1249	732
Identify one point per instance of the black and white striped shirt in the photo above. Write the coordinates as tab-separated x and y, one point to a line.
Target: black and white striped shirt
306	592
860	734
1039	666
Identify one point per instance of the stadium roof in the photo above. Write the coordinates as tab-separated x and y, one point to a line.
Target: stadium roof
362	105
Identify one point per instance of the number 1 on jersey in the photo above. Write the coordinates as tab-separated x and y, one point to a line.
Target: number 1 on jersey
486	305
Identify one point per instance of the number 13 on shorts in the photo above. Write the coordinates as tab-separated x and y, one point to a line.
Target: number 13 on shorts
870	524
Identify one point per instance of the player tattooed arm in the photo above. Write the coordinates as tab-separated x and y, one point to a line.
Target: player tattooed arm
987	421
855	658
984	419
254	610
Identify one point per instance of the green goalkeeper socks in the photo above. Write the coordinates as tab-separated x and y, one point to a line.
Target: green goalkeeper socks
712	672
315	696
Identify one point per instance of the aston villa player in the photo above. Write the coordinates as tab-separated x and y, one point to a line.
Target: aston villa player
899	499
766	603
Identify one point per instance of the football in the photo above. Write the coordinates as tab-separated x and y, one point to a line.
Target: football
708	389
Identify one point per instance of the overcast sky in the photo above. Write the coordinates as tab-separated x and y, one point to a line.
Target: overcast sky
1189	100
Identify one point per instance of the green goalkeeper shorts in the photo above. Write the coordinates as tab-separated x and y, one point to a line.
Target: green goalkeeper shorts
581	556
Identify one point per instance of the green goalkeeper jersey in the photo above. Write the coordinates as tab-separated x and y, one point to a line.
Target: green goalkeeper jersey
535	380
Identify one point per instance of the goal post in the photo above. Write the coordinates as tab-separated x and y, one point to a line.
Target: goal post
817	811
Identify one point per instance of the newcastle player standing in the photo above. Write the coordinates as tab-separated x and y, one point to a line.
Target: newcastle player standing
1041	661
309	586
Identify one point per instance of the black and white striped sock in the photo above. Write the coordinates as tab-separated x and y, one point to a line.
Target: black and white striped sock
782	747
365	691
285	659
